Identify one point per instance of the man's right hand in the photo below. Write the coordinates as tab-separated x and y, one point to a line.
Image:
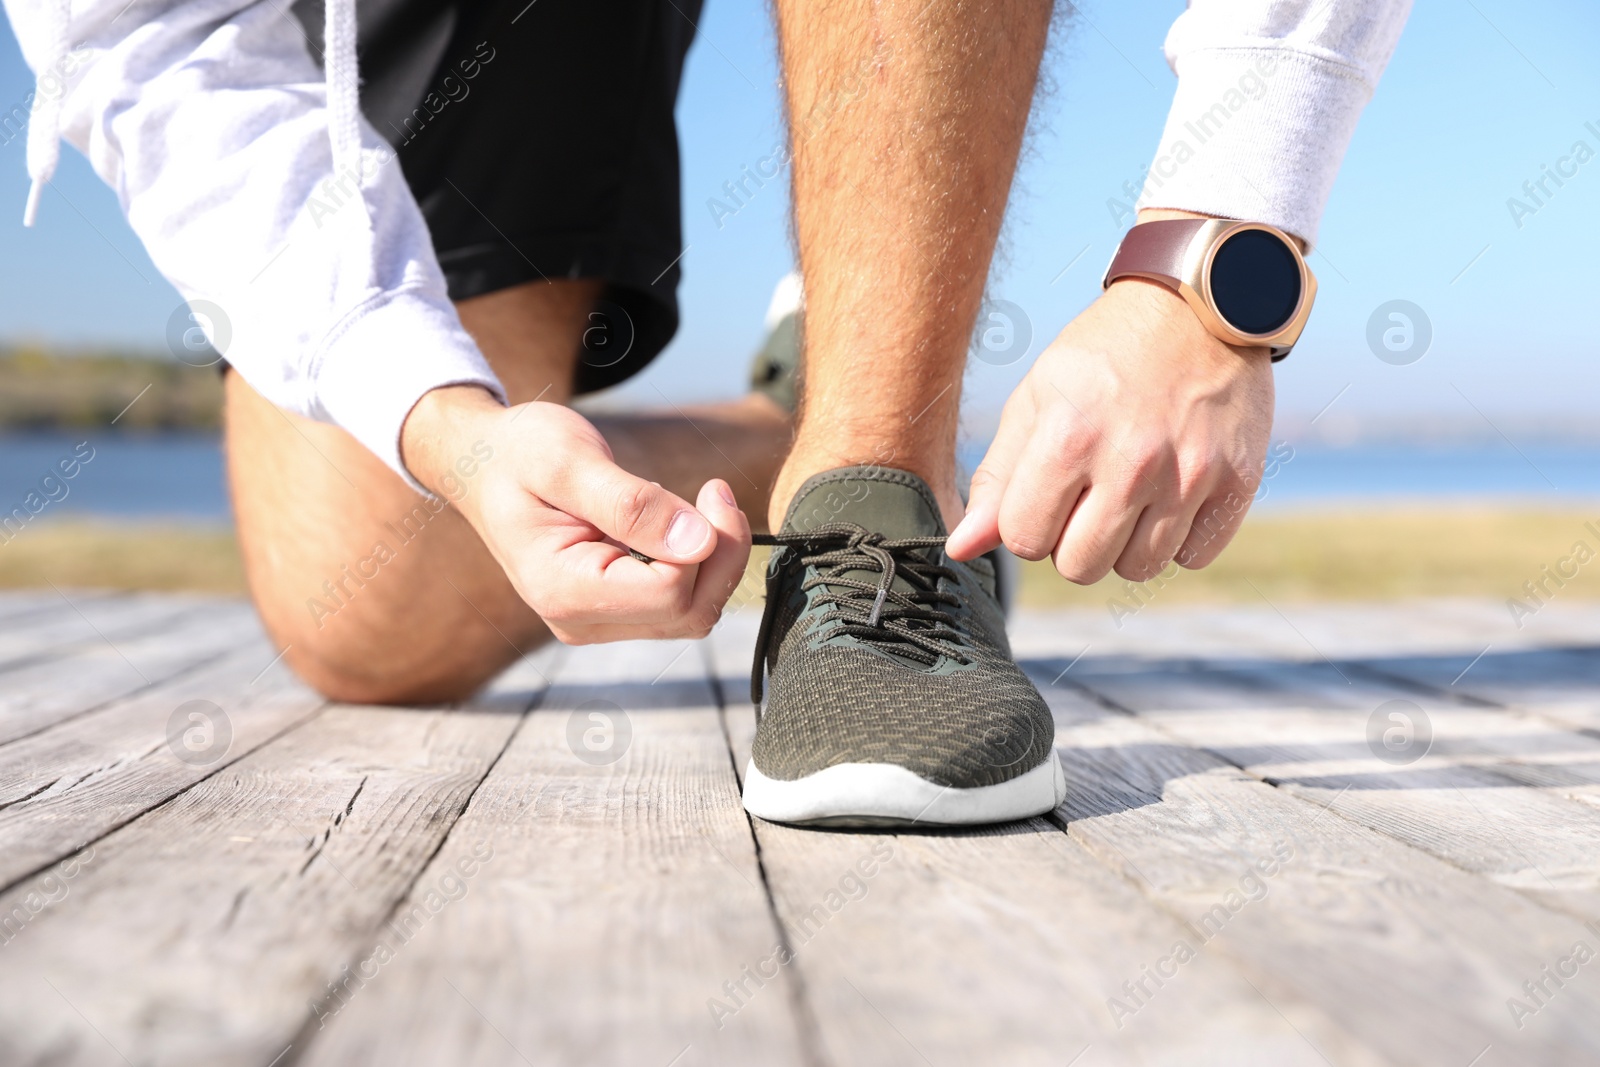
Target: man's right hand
559	516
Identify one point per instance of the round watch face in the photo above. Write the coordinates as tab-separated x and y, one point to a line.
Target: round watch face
1255	282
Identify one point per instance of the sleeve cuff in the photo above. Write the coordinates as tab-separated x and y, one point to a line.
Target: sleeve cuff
380	361
1256	133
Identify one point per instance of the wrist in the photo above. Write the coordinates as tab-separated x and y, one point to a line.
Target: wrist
1173	331
440	431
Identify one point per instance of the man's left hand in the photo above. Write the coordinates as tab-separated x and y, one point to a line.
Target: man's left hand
1137	438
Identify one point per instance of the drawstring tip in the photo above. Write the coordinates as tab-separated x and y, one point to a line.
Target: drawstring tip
877	607
31	212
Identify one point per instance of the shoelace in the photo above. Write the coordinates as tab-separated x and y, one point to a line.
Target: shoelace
910	623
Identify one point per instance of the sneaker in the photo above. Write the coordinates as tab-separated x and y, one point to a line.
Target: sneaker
892	695
775	368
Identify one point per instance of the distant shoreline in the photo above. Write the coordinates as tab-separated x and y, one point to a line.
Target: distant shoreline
55	390
100	392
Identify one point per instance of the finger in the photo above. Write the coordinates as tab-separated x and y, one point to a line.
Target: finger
1096	534
1214	525
640	514
1044	490
590	583
574	576
696	595
979	530
1156	538
720	573
602	594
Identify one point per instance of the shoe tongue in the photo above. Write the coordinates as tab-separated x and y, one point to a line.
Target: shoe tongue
892	502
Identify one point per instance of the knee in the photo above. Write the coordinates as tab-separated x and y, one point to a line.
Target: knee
353	679
377	665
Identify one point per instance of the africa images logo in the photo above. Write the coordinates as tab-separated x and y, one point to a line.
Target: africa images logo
199	732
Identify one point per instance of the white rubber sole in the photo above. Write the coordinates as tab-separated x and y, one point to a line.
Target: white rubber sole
884	794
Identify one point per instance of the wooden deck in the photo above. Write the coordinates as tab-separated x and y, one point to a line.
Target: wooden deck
561	873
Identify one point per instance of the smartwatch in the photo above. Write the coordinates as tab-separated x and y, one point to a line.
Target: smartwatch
1247	281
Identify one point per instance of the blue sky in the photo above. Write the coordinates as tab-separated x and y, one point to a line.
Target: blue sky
1480	95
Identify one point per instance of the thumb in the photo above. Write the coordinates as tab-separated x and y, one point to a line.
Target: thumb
626	508
979	531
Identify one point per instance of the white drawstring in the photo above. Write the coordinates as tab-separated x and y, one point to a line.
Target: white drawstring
44	126
344	99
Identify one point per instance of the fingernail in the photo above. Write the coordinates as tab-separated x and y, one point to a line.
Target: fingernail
726	494
687	532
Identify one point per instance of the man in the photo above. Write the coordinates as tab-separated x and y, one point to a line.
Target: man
377	345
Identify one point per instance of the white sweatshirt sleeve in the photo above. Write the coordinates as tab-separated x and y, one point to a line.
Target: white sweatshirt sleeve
210	121
1269	92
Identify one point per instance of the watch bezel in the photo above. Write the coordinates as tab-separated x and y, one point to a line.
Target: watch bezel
1194	285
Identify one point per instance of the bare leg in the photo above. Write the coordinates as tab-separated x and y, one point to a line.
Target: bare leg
900	187
742	442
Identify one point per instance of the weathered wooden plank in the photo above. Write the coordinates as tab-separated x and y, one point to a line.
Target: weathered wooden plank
40	694
1461	648
1002	945
1298	631
1288	630
601	927
89	622
228	909
1561	684
622	893
1468	792
1361	926
67	785
1547	663
19	605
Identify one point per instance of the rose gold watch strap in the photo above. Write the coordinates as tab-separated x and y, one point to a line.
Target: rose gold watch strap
1154	250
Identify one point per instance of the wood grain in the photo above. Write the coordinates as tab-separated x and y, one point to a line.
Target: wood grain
427	885
64	787
621	896
86	677
236	904
1560	684
1393	931
1498	793
87	622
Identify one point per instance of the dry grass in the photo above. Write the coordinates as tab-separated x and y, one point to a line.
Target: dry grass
104	555
1349	555
1361	555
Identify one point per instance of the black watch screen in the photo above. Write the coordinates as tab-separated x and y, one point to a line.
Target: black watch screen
1255	282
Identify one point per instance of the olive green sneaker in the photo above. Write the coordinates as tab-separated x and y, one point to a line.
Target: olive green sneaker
775	368
892	697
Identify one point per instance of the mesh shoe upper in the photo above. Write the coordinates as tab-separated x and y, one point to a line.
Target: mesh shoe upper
880	649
